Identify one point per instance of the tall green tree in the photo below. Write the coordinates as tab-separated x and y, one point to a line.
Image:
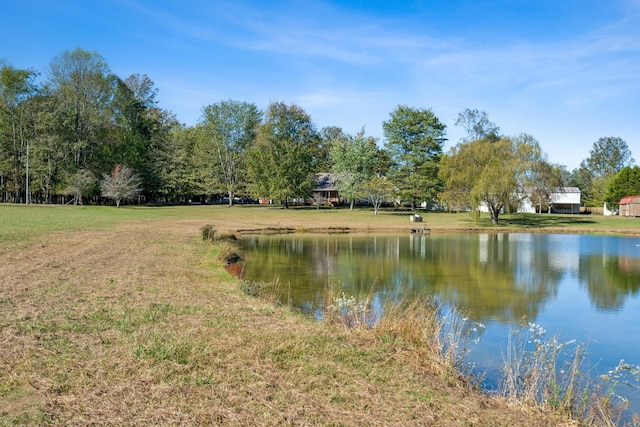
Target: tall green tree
414	141
377	189
283	159
538	177
139	129
490	174
84	88
179	164
545	176
353	162
625	183
608	156
328	135
582	178
229	128
49	165
17	88
143	89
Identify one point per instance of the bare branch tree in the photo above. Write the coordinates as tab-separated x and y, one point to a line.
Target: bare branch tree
79	184
121	185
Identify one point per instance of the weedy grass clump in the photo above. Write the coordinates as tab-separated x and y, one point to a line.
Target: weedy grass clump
226	244
228	252
270	292
207	232
210	234
532	372
443	331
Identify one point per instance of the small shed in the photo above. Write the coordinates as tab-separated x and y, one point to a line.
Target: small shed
630	206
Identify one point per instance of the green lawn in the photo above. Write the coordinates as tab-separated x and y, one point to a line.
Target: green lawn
21	224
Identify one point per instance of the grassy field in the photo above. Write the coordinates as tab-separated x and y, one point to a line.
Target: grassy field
24	224
126	317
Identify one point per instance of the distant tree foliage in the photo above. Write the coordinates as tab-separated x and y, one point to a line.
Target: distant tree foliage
143	90
625	183
17	91
139	132
83	88
328	135
283	159
537	177
608	156
545	177
378	189
78	119
414	141
180	166
122	184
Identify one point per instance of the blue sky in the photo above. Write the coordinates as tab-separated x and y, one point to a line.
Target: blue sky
565	71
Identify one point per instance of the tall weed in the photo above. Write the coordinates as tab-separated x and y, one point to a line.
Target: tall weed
549	373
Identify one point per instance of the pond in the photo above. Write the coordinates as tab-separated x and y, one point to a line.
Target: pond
580	287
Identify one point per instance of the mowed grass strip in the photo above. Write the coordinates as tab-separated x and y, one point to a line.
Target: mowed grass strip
21	224
130	320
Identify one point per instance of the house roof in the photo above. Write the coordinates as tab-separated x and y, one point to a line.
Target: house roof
558	190
628	199
565	190
325	182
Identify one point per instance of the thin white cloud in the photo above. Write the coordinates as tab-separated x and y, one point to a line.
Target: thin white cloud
256	28
349	69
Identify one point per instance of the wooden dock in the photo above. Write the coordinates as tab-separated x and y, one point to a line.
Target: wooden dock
423	229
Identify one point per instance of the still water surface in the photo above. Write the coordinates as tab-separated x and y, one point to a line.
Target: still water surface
578	286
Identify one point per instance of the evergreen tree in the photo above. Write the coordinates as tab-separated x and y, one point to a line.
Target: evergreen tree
414	140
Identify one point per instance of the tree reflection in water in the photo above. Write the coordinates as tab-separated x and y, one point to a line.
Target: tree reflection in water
583	287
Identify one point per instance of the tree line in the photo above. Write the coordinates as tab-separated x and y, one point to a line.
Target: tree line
85	135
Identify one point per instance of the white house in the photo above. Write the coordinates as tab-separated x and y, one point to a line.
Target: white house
562	200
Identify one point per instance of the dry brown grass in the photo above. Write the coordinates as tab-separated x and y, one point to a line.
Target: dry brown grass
140	325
